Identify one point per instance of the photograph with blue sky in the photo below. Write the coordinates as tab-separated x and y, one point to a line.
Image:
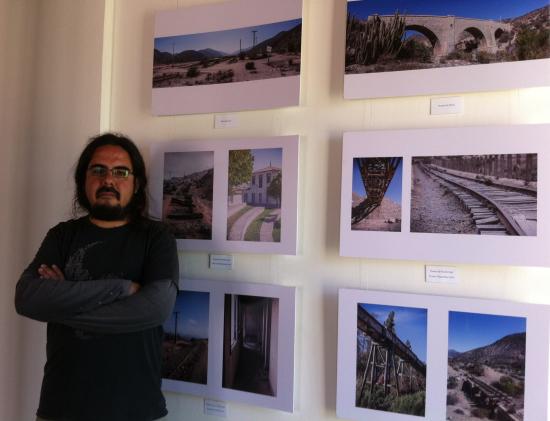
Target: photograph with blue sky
423	34
185	345
267	157
469	331
181	164
228	42
485	9
191	311
411	324
376	201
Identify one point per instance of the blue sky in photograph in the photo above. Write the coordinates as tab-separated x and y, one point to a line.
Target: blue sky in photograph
480	9
468	331
225	41
394	189
193	315
178	164
410	323
262	158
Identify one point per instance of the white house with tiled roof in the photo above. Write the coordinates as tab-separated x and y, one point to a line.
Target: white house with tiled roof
256	193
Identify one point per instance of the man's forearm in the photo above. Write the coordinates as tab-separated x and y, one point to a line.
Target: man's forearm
50	300
147	308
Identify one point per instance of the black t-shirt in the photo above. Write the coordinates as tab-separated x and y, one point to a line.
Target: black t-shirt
91	376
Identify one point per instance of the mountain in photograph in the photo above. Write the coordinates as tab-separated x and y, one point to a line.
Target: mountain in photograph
507	350
285	41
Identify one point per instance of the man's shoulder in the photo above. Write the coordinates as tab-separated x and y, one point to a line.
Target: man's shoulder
153	227
68	225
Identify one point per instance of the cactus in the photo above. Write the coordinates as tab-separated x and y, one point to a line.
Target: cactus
367	41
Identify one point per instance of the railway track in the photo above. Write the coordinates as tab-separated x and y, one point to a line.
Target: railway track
495	210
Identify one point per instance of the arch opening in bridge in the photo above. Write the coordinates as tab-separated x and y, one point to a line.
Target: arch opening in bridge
431	38
471	39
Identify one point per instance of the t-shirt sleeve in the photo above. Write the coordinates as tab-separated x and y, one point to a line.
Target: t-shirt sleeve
51	300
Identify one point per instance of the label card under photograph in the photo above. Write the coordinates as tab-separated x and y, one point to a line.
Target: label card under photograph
215	408
451	105
442	274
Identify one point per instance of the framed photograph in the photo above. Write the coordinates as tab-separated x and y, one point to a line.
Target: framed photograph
228	196
409	47
230	56
468	195
232	341
406	357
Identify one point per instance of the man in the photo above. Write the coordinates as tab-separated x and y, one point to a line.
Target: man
105	283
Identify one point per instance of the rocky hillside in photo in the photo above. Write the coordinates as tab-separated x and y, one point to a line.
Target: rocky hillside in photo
507	350
285	41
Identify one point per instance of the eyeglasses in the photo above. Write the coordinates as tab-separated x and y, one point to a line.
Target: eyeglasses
101	171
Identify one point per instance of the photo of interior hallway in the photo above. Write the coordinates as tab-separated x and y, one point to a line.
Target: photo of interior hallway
250	344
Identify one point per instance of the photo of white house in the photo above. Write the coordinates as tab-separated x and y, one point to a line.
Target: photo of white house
254	195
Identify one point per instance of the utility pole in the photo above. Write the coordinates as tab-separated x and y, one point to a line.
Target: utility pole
254	38
176	327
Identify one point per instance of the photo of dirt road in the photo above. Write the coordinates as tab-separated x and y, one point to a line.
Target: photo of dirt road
254	195
486	367
237	55
188	194
185	346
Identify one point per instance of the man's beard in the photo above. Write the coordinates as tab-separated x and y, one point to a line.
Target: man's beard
109	212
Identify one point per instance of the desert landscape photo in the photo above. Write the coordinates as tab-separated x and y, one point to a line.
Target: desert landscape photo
188	193
486	367
185	345
238	55
394	35
391	358
376	194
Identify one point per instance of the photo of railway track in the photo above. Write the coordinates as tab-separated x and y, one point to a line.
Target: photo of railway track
185	345
475	194
376	194
188	189
486	367
391	358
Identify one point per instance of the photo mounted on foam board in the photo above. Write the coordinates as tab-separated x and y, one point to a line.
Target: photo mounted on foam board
396	36
235	195
376	197
468	195
250	338
406	357
486	367
230	56
475	194
255	181
185	345
188	193
391	358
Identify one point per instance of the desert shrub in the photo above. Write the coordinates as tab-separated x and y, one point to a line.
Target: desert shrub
242	56
504	37
290	62
204	63
508	386
368	41
459	55
452	382
417	51
193	71
476	369
250	65
533	44
485	57
412	404
452	398
480	413
234	60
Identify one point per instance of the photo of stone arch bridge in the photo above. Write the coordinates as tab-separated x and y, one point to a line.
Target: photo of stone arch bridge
393	35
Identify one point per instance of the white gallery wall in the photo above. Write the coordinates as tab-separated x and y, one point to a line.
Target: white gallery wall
81	66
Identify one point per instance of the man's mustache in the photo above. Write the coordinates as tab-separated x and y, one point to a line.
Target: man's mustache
106	189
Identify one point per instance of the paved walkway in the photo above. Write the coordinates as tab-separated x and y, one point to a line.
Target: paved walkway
239	227
266	230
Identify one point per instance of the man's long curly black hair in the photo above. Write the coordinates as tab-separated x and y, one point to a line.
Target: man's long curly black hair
137	208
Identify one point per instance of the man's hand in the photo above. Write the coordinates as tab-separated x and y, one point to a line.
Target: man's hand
52	272
134	287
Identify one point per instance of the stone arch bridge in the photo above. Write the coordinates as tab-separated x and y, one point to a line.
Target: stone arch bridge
444	31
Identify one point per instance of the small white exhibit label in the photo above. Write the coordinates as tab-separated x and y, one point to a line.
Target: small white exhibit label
449	105
442	274
221	261
226	121
217	408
